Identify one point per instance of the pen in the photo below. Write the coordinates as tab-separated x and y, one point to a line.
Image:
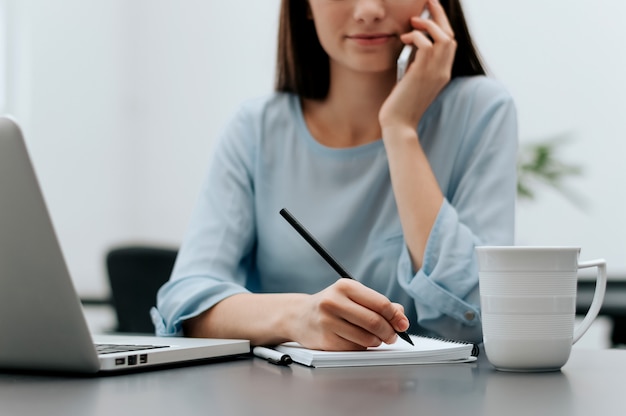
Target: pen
317	246
273	356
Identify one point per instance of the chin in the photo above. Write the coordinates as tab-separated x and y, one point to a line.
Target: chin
375	68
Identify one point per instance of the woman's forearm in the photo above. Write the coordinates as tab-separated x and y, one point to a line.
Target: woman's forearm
344	316
415	188
264	319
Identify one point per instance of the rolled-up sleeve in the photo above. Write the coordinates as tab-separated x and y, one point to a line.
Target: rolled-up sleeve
478	209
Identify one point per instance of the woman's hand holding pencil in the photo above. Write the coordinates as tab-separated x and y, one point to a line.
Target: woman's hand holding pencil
347	315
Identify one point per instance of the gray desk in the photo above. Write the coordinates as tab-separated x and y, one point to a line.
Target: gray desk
591	383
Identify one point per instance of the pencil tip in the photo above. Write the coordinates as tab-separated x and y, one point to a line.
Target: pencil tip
406	337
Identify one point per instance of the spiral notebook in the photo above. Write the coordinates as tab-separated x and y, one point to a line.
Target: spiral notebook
425	351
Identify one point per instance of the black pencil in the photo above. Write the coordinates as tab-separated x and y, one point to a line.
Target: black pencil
317	246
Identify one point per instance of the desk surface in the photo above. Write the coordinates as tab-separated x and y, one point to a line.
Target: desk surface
590	383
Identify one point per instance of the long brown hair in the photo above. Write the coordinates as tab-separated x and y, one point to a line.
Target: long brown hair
303	66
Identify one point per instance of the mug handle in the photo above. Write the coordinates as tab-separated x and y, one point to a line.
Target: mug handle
598	296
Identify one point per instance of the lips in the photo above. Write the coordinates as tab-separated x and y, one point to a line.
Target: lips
367	39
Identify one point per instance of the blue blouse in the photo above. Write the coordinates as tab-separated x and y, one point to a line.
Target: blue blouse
266	159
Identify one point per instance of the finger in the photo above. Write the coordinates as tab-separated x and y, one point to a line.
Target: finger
417	38
400	322
436	32
440	45
340	314
373	328
439	16
373	311
355	337
354	305
366	297
370	329
336	342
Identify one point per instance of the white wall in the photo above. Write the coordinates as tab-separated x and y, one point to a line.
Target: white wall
120	101
564	61
65	74
190	64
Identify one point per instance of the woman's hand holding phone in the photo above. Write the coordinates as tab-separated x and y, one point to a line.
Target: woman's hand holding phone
421	79
408	53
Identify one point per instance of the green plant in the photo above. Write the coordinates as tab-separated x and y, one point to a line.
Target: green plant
540	164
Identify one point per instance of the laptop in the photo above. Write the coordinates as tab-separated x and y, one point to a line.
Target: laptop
42	325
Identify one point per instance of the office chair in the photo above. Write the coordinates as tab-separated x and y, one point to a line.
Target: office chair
135	274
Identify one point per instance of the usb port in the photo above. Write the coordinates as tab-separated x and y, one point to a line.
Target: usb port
120	361
132	360
143	358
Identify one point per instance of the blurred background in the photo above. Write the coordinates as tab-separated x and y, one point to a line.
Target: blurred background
120	101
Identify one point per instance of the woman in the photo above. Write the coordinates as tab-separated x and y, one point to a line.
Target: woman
399	182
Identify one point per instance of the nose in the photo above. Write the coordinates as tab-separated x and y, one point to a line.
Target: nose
368	11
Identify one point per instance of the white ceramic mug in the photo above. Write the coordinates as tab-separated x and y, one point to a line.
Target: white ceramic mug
528	304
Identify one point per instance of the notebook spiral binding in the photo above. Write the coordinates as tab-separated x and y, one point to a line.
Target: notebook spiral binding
475	349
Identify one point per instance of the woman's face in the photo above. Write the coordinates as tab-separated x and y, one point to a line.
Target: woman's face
363	35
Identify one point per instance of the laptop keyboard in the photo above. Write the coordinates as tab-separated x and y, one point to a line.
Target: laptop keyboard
113	348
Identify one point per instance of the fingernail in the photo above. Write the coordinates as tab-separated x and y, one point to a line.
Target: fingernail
404	323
